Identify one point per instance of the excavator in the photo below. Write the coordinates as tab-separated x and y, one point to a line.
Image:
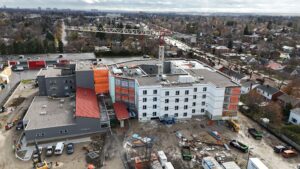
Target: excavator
234	124
39	163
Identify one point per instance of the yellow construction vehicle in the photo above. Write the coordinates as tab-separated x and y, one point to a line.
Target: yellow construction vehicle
234	124
37	161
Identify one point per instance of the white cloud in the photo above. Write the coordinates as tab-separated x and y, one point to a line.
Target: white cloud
274	6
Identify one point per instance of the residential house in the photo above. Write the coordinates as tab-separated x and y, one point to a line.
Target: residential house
288	49
286	99
268	92
295	116
221	49
235	76
275	66
247	86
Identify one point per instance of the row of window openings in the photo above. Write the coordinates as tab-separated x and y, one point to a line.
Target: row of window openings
167	93
66	81
176	107
176	100
154	114
43	134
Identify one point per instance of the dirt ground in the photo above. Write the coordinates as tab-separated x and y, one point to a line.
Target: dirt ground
166	140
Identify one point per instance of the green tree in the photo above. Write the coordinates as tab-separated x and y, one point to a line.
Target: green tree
230	44
246	30
60	46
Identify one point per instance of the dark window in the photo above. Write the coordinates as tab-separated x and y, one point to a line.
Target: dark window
193	111
176	100
203	103
185	107
177	93
144	114
195	89
166	108
144	92
294	120
144	99
204	89
154	91
186	92
176	114
184	114
176	107
194	97
202	110
166	100
154	114
194	103
186	99
154	99
204	96
167	93
144	107
154	106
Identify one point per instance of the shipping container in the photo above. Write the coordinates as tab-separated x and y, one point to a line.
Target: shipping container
169	165
230	165
255	163
36	64
162	158
210	163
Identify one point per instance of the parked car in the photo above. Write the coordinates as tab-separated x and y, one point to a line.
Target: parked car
280	148
240	146
49	151
9	126
289	153
186	153
255	133
70	148
20	125
59	148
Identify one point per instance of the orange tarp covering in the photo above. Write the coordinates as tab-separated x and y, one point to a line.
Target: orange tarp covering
101	80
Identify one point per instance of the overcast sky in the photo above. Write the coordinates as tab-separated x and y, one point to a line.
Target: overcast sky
240	6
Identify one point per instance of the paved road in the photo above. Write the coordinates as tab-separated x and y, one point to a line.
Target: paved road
14	79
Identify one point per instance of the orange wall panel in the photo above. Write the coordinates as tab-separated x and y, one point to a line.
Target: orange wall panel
234	99
236	91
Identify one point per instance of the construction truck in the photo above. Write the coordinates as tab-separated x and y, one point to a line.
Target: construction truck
234	125
255	133
38	163
186	153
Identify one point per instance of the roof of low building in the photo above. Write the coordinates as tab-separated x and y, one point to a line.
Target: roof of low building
268	89
86	103
296	111
50	72
289	99
46	112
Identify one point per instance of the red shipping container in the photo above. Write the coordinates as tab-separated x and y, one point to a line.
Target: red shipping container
36	64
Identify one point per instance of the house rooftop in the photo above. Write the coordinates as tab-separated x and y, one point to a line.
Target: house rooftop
47	112
296	111
50	72
268	89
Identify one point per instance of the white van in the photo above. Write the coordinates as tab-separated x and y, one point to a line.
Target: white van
59	148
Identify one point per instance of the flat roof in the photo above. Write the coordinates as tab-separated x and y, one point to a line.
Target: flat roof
87	103
47	112
215	77
49	72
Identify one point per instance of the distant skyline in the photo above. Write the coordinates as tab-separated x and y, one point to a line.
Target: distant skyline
224	6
